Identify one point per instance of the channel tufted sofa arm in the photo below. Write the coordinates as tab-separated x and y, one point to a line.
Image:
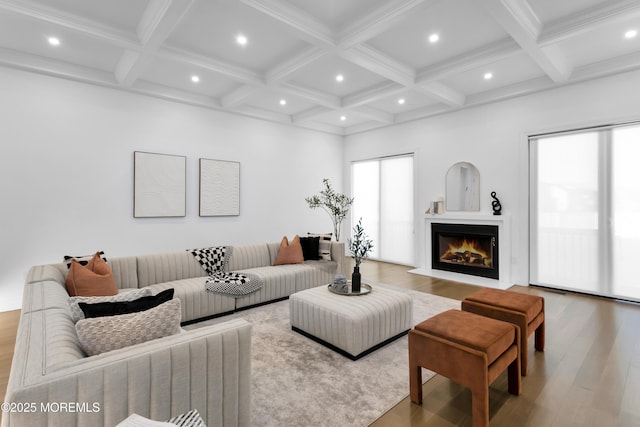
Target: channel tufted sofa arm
208	369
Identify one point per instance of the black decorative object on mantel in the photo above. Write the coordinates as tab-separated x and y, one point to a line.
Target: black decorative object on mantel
355	280
497	207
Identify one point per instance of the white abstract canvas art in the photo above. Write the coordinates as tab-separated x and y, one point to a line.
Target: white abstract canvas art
159	185
219	188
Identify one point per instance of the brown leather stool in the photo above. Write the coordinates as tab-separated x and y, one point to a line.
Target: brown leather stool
523	310
469	349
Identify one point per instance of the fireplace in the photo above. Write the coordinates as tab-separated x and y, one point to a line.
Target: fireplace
465	248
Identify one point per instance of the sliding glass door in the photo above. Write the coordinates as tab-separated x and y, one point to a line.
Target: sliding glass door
585	206
383	198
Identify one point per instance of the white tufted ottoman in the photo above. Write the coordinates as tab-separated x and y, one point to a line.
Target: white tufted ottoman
354	326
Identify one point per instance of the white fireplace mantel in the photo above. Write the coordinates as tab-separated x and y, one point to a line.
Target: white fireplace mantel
503	222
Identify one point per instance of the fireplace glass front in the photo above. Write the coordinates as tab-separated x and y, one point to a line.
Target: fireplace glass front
466	249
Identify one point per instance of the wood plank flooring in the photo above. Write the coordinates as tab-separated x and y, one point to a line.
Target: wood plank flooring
8	327
589	374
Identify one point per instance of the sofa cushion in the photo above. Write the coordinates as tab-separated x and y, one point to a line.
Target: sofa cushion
290	253
282	280
166	267
82	259
124	295
196	301
325	245
250	256
310	248
102	334
94	279
113	308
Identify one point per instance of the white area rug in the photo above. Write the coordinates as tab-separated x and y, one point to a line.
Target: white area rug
298	382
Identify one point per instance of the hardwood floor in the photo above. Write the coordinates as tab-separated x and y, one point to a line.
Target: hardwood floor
588	375
8	327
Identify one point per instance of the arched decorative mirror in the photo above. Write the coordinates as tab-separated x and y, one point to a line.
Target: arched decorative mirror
463	187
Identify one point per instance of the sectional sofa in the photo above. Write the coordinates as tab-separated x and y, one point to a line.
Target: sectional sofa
53	382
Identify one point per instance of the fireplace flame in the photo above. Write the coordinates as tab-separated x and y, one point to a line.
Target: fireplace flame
466	252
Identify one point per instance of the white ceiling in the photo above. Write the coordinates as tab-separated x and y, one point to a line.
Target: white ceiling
296	48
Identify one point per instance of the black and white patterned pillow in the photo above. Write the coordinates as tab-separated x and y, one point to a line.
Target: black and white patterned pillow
82	259
325	245
213	260
234	284
188	419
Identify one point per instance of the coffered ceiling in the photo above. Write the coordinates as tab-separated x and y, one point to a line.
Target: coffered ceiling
392	69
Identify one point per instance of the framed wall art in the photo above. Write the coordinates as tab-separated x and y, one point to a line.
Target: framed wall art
219	188
159	185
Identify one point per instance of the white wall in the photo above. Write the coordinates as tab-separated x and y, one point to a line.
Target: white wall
66	174
494	138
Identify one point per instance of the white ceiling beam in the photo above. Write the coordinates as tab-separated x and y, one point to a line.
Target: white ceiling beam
309	114
158	22
377	62
238	96
505	92
363	127
594	17
520	22
151	19
420	113
379	21
442	93
42	65
469	61
322	127
205	62
374	114
285	69
260	113
87	27
372	94
617	65
172	94
320	98
309	28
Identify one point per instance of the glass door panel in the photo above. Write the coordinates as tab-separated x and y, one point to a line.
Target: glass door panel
625	233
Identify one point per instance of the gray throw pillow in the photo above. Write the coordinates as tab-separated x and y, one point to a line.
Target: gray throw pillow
102	334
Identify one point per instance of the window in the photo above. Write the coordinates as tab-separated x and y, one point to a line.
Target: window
383	198
585	201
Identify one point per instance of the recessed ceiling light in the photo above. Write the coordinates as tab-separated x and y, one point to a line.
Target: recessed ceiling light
631	34
339	78
242	39
283	102
195	78
434	38
54	41
488	76
401	101
343	118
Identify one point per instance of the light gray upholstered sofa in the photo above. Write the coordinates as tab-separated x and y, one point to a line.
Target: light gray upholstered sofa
207	369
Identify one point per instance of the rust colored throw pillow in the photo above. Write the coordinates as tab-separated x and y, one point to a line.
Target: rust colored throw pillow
290	253
94	279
